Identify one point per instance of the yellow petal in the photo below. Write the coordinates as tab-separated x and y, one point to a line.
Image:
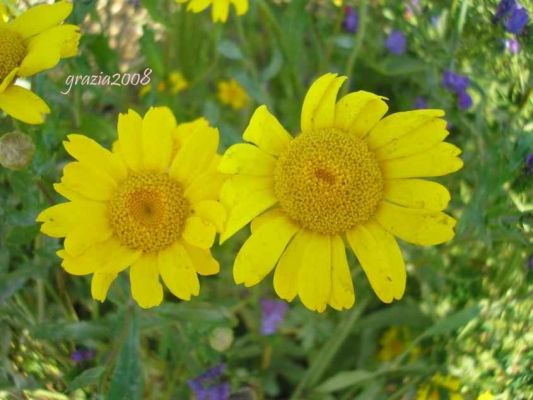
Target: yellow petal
245	199
198	5
91	227
63	218
24	105
100	284
86	150
176	269
199	232
212	211
417	226
423	138
286	273
40	18
381	259
359	112
241	6
246	159
129	128
146	289
8	79
195	156
186	130
440	160
314	275
342	292
260	253
265	131
318	110
220	10
88	181
417	193
205	187
265	217
46	49
398	124
202	260
157	127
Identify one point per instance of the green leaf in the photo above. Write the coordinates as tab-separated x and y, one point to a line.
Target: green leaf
344	379
152	52
76	331
452	322
88	377
155	9
127	380
404	65
229	49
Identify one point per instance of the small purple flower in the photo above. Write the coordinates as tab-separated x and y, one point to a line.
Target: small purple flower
209	385
82	355
455	82
421	103
505	7
351	20
529	163
464	101
273	313
517	20
396	42
512	45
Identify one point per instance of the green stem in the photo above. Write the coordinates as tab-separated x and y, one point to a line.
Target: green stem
328	351
363	11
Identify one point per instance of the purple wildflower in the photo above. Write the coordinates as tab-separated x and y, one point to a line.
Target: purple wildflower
82	355
396	42
464	101
455	82
505	7
208	386
351	20
512	45
273	313
529	163
421	103
517	20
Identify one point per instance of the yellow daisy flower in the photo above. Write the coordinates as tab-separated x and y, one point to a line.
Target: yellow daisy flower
219	8
440	383
149	204
393	343
176	82
349	175
232	94
33	42
486	395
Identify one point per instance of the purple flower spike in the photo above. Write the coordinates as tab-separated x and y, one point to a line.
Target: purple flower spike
351	20
517	21
421	103
455	82
396	42
464	101
208	386
505	7
273	313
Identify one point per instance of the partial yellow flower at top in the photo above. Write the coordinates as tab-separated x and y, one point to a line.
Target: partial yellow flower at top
431	390
149	204
338	3
232	94
219	8
33	42
348	175
486	395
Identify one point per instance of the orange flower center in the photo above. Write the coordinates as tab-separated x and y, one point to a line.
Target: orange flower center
148	212
12	51
328	181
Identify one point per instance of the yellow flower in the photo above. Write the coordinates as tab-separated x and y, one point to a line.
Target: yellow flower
486	395
176	82
149	204
338	3
347	175
219	8
232	94
431	391
33	42
4	13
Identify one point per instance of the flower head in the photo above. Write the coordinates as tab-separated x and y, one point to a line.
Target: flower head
16	150
219	8
33	42
505	7
273	312
512	45
396	42
209	385
420	103
455	82
232	94
438	384
351	20
175	83
150	205
348	176
464	101
486	395
517	21
529	163
82	355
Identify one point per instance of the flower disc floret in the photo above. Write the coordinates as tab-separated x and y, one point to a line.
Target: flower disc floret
12	51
